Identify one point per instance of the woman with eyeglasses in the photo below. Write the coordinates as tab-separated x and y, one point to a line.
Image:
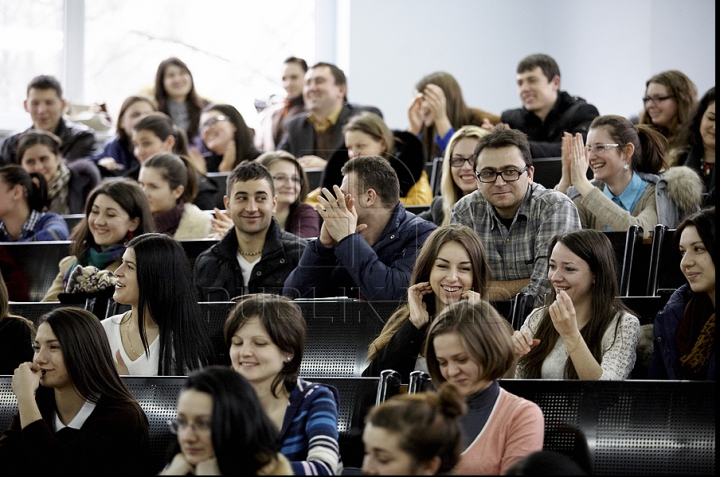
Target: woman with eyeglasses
458	174
170	184
222	429
628	189
227	137
668	102
75	415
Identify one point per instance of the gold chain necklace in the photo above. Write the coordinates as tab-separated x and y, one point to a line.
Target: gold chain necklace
127	329
250	253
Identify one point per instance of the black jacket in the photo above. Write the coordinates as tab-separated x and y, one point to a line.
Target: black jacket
299	137
218	276
570	114
78	141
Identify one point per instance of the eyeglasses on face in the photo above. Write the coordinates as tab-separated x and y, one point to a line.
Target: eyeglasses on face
459	161
283	178
598	148
200	427
655	99
213	121
508	175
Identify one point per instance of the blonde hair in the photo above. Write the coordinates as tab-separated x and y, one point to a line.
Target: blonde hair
449	190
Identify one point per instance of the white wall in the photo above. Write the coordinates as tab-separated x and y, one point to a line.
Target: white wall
606	49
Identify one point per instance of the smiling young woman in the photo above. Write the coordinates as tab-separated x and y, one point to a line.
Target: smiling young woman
451	266
584	331
683	332
75	416
266	337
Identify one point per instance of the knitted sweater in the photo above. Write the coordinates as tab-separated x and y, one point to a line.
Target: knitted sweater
309	433
516	428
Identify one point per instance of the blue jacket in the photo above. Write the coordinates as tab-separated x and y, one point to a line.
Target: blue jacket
309	432
665	360
353	268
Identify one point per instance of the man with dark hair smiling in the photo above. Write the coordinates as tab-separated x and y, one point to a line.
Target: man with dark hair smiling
514	217
46	106
368	242
256	255
314	136
547	111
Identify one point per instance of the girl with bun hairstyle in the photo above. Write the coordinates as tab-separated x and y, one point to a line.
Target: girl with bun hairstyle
414	434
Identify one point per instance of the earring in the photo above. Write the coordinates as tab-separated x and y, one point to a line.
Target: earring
626	166
289	358
130	234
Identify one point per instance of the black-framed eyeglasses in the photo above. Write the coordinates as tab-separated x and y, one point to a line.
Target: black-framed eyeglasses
200	427
213	121
600	147
508	175
459	161
655	99
283	178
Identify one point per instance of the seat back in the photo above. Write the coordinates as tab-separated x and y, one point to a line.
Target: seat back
522	305
34	310
314	175
194	247
214	314
436	175
627	427
338	335
157	395
72	220
29	268
665	274
219	179
357	397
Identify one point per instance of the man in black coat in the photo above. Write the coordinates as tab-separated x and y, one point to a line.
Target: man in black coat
547	112
256	255
314	136
46	105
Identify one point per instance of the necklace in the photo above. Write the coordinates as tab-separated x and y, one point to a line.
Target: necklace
127	329
250	253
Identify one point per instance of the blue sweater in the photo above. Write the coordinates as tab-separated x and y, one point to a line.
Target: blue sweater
40	227
309	433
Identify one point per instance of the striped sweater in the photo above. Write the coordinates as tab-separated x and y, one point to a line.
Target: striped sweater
40	226
309	433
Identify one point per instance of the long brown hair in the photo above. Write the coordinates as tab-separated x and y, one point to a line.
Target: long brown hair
457	111
193	100
5	308
461	234
650	146
595	249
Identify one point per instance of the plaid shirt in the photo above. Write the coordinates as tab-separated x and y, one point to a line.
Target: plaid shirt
520	252
40	226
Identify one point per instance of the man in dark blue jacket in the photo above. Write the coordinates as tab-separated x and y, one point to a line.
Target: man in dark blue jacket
547	112
368	242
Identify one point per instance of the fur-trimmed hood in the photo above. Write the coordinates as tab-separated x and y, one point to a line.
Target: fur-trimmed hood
194	224
684	188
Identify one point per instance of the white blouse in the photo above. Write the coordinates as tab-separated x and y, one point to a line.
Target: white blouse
145	365
618	351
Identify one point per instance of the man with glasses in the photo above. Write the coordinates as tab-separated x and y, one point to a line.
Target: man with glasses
514	217
547	112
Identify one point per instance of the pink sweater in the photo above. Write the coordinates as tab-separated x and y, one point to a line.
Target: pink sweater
516	428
